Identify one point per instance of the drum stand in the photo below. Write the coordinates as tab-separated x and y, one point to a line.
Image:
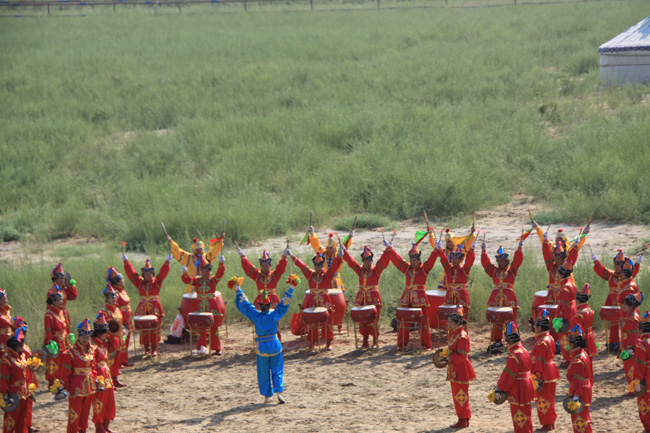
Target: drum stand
319	328
375	325
141	333
194	331
608	326
402	324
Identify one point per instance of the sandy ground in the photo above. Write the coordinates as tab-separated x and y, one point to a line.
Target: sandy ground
342	390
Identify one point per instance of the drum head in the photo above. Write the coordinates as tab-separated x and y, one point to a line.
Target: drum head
501	398
67	278
61	394
566	401
314	310
11	402
438	360
642	390
191	295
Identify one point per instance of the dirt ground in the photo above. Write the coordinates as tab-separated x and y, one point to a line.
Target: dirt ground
339	391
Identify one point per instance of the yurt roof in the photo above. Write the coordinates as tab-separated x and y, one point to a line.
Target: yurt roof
636	38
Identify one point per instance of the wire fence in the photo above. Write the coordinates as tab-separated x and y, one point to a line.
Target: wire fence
55	7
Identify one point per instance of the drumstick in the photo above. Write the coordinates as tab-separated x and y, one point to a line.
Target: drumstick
310	215
287	242
426	220
474	219
383	238
223	228
123	246
354	223
549	227
391	239
530	214
483	235
235	242
590	216
164	229
589	245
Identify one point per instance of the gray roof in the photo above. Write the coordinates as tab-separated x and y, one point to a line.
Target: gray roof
636	38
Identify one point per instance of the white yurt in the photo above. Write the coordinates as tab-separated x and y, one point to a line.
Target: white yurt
626	58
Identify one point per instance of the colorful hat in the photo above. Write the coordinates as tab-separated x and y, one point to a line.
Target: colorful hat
457	314
577	331
55	296
147	267
112	275
559	249
100	321
265	298
635	299
318	258
501	254
628	265
644	323
414	253
448	234
645	318
567	265
85	328
3	294
197	244
20	334
202	263
560	234
367	253
109	291
266	258
620	256
330	241
544	318
512	331
583	294
18	322
458	251
58	272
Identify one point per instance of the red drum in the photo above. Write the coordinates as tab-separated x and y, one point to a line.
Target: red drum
610	313
189	304
221	306
409	315
364	313
443	313
499	314
315	315
339	305
200	320
145	322
552	310
435	298
539	299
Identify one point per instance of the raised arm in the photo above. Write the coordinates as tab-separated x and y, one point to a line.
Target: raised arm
220	271
602	271
384	260
401	264
283	306
431	261
302	266
469	260
244	305
251	271
489	268
180	255
215	249
164	271
280	268
356	267
132	275
517	260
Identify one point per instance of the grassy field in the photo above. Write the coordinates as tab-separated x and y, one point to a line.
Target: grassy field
112	122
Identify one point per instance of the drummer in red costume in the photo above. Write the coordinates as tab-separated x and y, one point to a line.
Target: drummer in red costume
112	313
14	376
56	331
67	290
205	287
503	275
104	404
124	302
457	275
544	371
450	244
585	318
148	285
516	381
368	293
266	279
319	282
618	281
6	330
414	295
630	334
459	370
580	383
32	379
329	254
642	371
78	377
191	260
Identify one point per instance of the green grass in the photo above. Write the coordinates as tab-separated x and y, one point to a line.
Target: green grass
268	116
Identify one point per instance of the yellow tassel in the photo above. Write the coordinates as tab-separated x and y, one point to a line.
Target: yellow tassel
634	383
55	386
492	396
535	382
101	381
574	405
34	361
445	352
32	388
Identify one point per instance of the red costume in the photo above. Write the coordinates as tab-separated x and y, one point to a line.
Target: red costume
68	291
6	330
205	290
414	294
268	282
459	370
629	326
78	377
104	404
113	313
319	283
56	329
368	293
502	295
585	318
618	284
563	294
546	371
149	300
517	382
642	372
456	278
580	385
14	378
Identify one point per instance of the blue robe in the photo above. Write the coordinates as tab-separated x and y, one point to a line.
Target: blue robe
270	364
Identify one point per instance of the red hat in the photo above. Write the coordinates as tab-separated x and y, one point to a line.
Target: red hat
568	264
501	254
628	265
635	299
265	298
318	258
3	294
100	321
457	314
559	249
584	290
646	317
583	295
620	256
18	322
512	331
203	263
367	253
109	291
562	235
112	275
85	328
414	253
58	269
147	267
266	258
20	334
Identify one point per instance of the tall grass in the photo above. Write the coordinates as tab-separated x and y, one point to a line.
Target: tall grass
113	122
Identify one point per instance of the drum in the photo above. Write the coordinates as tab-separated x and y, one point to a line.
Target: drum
315	315
339	305
539	299
610	313
443	313
145	322
499	314
435	298
409	315
190	304
200	320
552	310
364	313
221	307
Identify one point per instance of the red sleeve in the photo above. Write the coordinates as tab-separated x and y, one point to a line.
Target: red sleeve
187	279
71	292
220	271
356	267
302	266
250	270
547	253
383	262
5	376
401	264
131	273
602	271
444	260
336	264
48	329
538	359
516	261
280	268
631	333
469	261
640	361
164	271
509	376
487	264
66	368
431	261
461	352
637	268
578	378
